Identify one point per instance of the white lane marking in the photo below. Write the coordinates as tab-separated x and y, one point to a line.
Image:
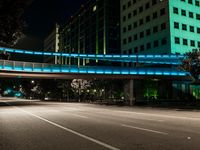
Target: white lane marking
69	130
80	116
143	129
156	115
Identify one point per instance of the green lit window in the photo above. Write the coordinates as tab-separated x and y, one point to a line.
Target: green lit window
198	30
192	43
175	10
185	42
155	44
177	40
176	25
183	12
190	1
149	45
191	28
198	16
197	3
184	27
191	14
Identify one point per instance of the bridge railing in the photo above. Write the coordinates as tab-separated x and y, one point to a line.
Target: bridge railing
7	65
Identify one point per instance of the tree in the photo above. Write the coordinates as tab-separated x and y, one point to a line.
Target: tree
11	26
80	85
192	63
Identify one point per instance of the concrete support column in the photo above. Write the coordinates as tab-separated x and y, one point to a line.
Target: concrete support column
129	91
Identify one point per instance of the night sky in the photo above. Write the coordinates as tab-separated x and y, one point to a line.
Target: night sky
40	18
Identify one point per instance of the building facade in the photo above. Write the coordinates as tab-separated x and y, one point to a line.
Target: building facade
94	29
51	44
159	26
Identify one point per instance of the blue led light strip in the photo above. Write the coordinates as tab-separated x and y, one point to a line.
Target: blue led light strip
149	59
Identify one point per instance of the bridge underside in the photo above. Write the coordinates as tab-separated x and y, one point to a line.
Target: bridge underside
38	75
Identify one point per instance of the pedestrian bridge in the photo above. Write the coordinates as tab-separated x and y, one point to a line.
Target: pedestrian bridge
41	70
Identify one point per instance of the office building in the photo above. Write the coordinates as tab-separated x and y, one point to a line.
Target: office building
159	26
51	44
94	29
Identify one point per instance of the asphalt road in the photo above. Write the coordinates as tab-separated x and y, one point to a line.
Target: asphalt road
35	125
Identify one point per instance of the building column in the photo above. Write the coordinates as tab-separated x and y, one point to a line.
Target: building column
129	91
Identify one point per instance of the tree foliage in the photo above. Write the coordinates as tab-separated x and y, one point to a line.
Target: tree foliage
192	63
11	24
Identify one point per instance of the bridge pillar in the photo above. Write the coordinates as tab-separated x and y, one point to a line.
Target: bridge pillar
129	91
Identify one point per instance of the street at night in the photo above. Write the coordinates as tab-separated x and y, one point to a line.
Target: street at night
34	125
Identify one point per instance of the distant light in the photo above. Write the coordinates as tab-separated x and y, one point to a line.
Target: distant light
94	8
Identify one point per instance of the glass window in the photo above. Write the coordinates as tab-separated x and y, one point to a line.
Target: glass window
175	10
141	34
129	15
135	49
124	7
162	11
130	39
184	27
129	3
147	18
191	28
197	3
148	32
163	26
124	41
164	41
183	12
192	43
155	44
190	1
141	9
198	43
155	29
154	2
129	27
135	37
135	12
149	45
124	29
176	25
177	40
198	30
155	15
198	16
147	5
185	42
142	48
191	14
135	24
141	22
134	1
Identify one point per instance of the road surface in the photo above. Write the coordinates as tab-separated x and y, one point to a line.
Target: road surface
35	125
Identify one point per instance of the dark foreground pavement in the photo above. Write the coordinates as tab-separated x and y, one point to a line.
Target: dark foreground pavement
34	125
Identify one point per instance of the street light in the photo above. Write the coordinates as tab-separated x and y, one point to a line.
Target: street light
32	82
